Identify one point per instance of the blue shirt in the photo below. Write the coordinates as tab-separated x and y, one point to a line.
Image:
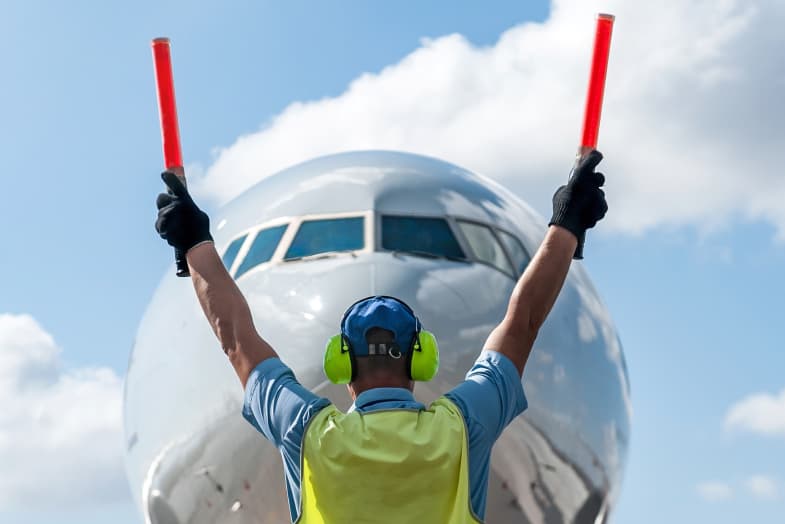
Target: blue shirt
489	399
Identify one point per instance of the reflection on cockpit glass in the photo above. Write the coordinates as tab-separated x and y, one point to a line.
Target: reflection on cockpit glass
261	249
327	235
485	246
520	257
231	252
420	235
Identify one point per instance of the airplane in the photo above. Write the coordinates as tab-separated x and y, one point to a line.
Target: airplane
303	245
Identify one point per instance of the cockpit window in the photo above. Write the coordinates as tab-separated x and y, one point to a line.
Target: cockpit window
326	236
231	252
520	257
429	236
484	245
261	249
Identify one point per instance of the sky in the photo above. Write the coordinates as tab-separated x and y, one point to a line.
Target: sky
688	261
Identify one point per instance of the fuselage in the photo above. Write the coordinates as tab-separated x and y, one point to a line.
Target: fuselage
306	243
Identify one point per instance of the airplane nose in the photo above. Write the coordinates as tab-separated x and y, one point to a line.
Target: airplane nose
296	303
309	294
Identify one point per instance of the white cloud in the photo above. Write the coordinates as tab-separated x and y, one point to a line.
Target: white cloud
761	413
60	430
714	491
586	330
763	487
691	125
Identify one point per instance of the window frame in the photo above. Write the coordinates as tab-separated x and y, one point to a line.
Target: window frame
447	218
497	230
372	238
250	237
294	227
469	249
251	243
233	266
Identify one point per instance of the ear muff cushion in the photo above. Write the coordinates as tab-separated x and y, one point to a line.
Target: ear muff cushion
337	361
425	360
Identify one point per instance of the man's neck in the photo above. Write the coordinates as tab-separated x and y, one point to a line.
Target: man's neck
358	386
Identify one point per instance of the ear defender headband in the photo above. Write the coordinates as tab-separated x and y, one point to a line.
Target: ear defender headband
422	354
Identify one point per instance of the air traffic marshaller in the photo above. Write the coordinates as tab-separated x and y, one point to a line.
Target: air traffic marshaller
389	458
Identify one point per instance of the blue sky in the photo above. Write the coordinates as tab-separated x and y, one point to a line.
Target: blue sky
689	260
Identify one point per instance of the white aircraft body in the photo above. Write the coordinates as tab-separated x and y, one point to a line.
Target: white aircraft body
306	243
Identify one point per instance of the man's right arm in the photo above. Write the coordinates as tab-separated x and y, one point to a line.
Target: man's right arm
576	207
227	311
187	228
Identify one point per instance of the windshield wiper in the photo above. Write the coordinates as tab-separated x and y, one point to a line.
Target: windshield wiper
319	256
428	254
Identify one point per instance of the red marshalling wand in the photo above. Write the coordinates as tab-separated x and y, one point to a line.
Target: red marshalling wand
170	133
591	117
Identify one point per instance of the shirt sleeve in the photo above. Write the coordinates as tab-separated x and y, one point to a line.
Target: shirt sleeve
489	399
280	408
492	394
277	405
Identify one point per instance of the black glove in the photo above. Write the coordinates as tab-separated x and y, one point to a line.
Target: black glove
180	222
580	204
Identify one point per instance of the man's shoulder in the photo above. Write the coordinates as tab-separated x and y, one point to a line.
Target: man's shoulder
276	403
491	370
492	393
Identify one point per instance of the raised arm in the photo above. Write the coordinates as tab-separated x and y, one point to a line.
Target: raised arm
184	226
576	207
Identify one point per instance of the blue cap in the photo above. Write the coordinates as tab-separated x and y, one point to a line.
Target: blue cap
381	312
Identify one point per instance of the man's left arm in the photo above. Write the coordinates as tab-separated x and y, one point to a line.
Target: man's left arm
577	206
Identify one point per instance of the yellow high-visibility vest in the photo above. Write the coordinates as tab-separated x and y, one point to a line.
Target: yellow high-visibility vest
387	466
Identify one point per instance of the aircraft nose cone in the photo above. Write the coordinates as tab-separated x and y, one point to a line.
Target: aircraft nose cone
314	295
298	303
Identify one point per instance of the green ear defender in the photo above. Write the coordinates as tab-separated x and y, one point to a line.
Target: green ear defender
424	362
338	361
422	356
